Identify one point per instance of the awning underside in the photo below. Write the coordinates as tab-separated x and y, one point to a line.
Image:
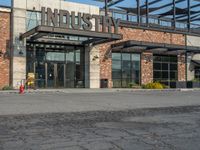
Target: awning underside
140	46
196	62
62	35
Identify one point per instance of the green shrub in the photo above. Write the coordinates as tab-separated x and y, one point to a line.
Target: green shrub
7	87
155	85
132	84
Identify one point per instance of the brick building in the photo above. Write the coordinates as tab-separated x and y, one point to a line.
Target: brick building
73	45
4	46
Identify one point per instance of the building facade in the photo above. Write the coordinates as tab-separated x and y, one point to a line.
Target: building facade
73	45
4	46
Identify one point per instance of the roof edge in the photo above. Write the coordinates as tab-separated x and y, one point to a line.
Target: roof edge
5	8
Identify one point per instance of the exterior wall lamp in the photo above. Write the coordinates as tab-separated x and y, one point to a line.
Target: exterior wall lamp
95	57
20	51
147	59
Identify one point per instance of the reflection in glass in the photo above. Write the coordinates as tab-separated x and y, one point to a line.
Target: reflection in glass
63	67
125	69
165	69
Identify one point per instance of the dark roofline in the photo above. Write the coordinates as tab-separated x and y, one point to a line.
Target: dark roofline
4	6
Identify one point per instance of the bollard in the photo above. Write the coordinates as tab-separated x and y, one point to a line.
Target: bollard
21	89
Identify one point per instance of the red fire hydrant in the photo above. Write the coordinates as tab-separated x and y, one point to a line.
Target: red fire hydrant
21	89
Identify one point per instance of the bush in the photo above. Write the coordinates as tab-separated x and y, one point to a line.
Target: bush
7	88
155	85
132	84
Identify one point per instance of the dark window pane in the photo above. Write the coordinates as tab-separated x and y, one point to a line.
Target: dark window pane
165	75
173	59
173	67
157	74
157	66
165	58
157	58
173	75
164	66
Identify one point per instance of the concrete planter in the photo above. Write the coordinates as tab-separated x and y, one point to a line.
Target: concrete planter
181	84
192	84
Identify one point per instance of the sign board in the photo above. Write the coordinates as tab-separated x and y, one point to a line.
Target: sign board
81	21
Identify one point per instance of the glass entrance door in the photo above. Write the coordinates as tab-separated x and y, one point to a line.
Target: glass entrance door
55	75
60	75
56	66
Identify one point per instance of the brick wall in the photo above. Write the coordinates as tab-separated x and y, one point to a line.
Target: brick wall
138	35
4	46
181	67
146	67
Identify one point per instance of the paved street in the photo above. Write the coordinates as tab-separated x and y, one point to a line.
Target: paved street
100	121
149	129
93	100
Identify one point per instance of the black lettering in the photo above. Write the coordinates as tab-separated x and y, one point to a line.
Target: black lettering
97	20
86	19
116	24
52	17
43	16
74	25
64	13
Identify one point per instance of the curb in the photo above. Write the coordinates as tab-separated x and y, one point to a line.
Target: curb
95	91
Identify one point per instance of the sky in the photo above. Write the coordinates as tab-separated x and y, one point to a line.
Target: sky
5	2
125	3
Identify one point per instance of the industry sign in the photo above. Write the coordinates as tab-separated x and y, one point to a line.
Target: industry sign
81	21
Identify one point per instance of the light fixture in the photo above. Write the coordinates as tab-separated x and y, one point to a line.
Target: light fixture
95	57
20	51
147	58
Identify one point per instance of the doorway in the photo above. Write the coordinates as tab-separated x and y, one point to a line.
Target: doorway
55	75
56	66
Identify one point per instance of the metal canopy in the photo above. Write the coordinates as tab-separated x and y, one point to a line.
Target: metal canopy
40	32
177	14
196	62
143	11
150	46
178	11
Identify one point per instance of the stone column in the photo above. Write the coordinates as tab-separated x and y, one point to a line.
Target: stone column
92	67
146	68
190	68
19	47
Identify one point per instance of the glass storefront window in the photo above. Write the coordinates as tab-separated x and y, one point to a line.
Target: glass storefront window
165	69
33	19
55	56
63	68
125	69
197	73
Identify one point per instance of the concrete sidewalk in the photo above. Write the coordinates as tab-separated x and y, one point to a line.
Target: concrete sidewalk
85	90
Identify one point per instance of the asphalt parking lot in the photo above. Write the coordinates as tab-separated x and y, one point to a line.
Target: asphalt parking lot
147	129
78	101
100	121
